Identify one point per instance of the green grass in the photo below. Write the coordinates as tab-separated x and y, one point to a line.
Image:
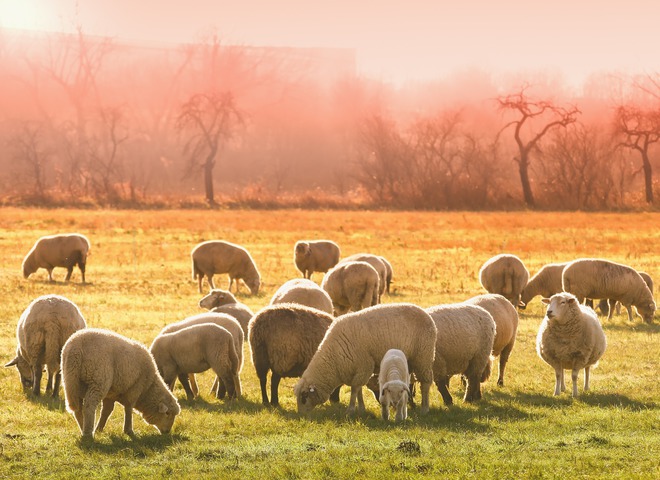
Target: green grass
139	280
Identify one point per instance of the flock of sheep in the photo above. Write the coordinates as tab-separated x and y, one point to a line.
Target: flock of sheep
330	335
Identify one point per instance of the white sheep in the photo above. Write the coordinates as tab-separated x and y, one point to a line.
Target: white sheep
506	326
312	256
546	282
375	261
217	256
606	304
103	366
598	278
393	381
43	329
505	274
62	250
195	349
463	346
351	285
283	339
570	337
303	292
354	346
222	301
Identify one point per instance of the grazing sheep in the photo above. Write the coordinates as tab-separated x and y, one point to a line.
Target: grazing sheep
463	346
376	262
351	285
222	301
43	329
605	304
315	256
393	381
103	366
598	278
195	349
546	283
63	250
217	256
506	326
356	343
283	339
570	337
388	276
504	274
222	320
303	292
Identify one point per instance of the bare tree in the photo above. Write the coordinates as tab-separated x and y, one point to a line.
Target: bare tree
28	151
535	119
105	156
209	120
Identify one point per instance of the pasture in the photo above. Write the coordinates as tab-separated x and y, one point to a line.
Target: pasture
139	279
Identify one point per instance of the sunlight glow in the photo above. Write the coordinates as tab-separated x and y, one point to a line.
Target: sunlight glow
21	14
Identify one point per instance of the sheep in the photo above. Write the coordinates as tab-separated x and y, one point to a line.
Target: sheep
546	282
195	349
598	278
388	276
351	285
312	256
376	262
570	337
354	346
222	320
393	381
43	329
62	250
506	326
604	304
303	292
217	256
222	301
463	346
103	366
504	274
283	339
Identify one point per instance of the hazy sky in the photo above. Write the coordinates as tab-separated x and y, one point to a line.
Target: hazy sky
394	39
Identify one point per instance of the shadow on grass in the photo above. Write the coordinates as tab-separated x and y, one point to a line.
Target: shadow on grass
49	402
209	403
141	446
626	326
601	400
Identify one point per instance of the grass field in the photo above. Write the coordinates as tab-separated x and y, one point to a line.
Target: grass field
139	279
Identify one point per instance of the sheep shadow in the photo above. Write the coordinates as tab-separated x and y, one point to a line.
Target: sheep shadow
212	404
47	401
600	400
626	326
141	446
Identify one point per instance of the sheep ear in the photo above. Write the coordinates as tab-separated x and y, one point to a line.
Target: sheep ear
162	408
571	300
545	301
13	362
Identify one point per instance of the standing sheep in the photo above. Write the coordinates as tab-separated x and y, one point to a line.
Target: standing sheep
222	301
283	339
605	304
102	366
315	256
598	278
376	262
43	329
546	283
63	250
303	292
506	326
356	343
393	381
463	346
504	274
351	285
195	349
217	256
570	337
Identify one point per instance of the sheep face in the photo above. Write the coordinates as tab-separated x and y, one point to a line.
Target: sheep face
28	266
559	305
394	393
163	418
24	370
647	312
302	250
307	397
216	298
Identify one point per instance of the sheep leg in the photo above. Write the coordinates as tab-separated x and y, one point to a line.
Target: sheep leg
183	378
193	384
504	358
69	271
360	402
385	406
81	266
128	420
559	379
334	396
402	410
36	380
589	302
214	387
630	314
89	404
227	381
200	279
473	391
425	389
610	312
274	385
50	275
49	381
108	407
351	404
443	387
56	387
221	390
574	378
238	390
586	378
209	278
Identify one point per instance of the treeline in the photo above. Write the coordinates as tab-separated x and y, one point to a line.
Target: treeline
92	121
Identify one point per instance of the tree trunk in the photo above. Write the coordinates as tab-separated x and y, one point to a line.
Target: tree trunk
523	168
648	177
208	179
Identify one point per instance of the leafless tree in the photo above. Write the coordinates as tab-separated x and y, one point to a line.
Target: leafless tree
28	149
105	154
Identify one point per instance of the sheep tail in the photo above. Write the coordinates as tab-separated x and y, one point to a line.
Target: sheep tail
486	373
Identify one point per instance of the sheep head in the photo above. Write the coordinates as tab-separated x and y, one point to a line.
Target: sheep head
307	396
24	370
559	305
216	298
646	311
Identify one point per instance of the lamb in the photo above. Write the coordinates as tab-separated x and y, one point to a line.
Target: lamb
506	326
463	346
43	329
63	250
351	285
598	278
570	337
217	256
283	339
393	381
222	320
505	274
103	366
356	343
376	262
195	349
605	304
303	292
546	283
222	301
315	256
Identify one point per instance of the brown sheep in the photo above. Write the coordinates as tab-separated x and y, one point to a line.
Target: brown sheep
63	250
